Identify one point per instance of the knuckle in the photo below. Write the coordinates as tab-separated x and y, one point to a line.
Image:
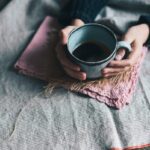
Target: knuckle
105	71
63	30
130	63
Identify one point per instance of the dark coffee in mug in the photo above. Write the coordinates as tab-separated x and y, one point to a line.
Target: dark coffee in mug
91	52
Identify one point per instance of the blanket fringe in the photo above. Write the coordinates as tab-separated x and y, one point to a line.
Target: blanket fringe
75	85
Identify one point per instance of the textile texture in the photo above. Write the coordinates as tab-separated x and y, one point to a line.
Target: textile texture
65	120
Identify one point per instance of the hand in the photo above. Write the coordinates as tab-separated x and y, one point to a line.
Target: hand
136	36
71	69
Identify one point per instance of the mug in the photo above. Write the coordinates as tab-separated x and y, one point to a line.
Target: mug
95	33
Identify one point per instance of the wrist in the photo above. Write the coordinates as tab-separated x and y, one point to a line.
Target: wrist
77	22
145	28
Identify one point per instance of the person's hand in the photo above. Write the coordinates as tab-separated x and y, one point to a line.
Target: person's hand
71	69
136	36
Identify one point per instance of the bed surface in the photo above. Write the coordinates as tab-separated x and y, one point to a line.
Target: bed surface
63	121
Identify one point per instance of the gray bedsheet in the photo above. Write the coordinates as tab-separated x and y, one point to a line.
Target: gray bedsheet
64	120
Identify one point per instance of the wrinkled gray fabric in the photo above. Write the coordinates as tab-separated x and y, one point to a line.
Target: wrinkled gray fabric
3	3
119	15
63	120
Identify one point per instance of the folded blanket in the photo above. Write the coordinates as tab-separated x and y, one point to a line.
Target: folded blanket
39	60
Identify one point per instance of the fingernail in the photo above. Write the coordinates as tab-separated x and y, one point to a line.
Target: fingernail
118	57
83	76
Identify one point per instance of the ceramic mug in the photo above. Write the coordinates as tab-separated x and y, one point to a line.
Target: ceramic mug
96	33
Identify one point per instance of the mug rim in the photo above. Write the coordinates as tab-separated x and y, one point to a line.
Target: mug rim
96	62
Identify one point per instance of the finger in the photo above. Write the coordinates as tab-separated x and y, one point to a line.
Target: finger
136	45
64	60
110	75
75	74
64	34
114	70
120	63
136	51
131	59
67	63
120	54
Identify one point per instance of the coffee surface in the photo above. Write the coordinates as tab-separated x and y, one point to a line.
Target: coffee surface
91	52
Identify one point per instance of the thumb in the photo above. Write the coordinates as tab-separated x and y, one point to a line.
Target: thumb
120	54
136	52
64	34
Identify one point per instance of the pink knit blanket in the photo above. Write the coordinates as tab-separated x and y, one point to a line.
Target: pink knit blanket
39	60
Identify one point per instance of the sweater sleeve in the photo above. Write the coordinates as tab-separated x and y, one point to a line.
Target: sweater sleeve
85	10
144	19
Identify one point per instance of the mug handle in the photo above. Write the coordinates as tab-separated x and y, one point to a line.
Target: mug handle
125	45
